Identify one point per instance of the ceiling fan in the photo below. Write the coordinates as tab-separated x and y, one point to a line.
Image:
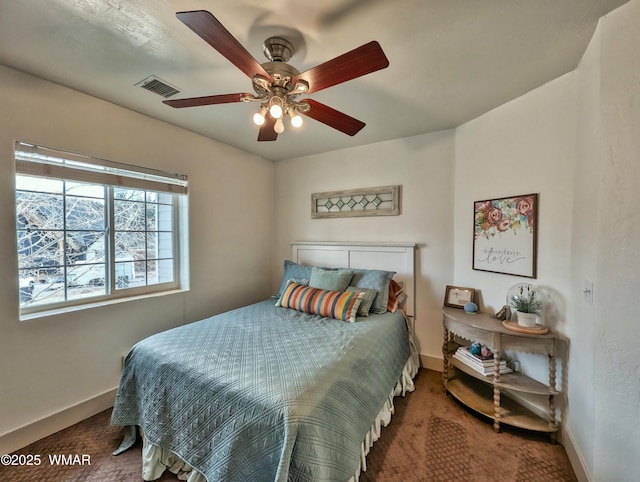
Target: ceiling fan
277	85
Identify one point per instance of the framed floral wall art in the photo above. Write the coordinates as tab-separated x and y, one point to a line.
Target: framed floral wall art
505	235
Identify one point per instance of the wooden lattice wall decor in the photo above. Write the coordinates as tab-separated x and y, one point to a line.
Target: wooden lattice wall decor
372	201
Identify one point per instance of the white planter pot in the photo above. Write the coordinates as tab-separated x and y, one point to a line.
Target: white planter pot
527	320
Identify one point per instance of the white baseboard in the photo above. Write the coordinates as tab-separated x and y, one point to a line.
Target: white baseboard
431	362
575	456
34	431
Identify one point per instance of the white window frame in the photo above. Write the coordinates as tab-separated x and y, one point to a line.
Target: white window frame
44	162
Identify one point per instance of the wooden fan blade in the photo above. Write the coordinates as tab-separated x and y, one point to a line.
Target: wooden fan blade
266	130
213	32
206	100
333	118
356	63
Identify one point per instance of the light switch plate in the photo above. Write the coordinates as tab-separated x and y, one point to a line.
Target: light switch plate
588	291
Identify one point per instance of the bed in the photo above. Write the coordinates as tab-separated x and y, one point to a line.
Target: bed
280	390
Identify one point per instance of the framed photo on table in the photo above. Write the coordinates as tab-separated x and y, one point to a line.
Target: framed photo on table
505	235
457	296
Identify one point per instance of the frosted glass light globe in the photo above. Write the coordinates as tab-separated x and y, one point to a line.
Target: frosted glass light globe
296	120
279	126
276	111
258	118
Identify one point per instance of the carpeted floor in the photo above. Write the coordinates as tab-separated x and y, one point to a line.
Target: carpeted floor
430	438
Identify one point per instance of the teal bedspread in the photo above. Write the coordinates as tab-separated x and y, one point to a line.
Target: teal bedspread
264	393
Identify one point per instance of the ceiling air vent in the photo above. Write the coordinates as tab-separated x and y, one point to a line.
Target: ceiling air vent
157	86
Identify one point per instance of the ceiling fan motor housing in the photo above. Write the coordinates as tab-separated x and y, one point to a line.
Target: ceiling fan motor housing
277	49
281	72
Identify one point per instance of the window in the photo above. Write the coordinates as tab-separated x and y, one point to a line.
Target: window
90	230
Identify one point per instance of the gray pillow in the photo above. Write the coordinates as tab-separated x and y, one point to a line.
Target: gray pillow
330	279
368	295
374	279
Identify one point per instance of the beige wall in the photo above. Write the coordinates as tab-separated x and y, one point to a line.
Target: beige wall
423	165
584	250
616	384
525	146
53	363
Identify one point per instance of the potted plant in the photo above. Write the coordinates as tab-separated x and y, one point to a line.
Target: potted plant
527	306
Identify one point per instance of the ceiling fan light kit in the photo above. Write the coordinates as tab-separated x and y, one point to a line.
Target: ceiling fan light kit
279	97
278	85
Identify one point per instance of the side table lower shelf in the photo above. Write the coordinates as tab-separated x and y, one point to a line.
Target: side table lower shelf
478	396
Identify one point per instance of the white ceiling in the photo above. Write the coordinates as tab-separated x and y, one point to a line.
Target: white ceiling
450	60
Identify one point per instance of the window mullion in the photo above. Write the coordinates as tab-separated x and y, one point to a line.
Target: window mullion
146	242
63	255
110	251
176	240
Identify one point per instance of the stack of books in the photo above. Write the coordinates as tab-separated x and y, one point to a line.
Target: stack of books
483	365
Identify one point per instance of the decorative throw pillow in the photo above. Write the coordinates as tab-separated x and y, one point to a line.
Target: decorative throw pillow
375	279
395	290
332	304
368	295
330	279
293	270
301	281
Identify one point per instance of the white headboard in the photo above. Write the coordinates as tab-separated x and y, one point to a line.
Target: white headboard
398	257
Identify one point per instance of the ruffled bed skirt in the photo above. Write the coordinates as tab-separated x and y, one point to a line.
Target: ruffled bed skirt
403	385
155	459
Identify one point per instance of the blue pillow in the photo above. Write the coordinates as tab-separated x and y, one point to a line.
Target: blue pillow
330	279
374	279
293	270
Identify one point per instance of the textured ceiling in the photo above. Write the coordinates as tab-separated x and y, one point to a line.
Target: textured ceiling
450	61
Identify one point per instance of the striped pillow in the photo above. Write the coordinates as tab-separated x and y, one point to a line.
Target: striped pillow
332	304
